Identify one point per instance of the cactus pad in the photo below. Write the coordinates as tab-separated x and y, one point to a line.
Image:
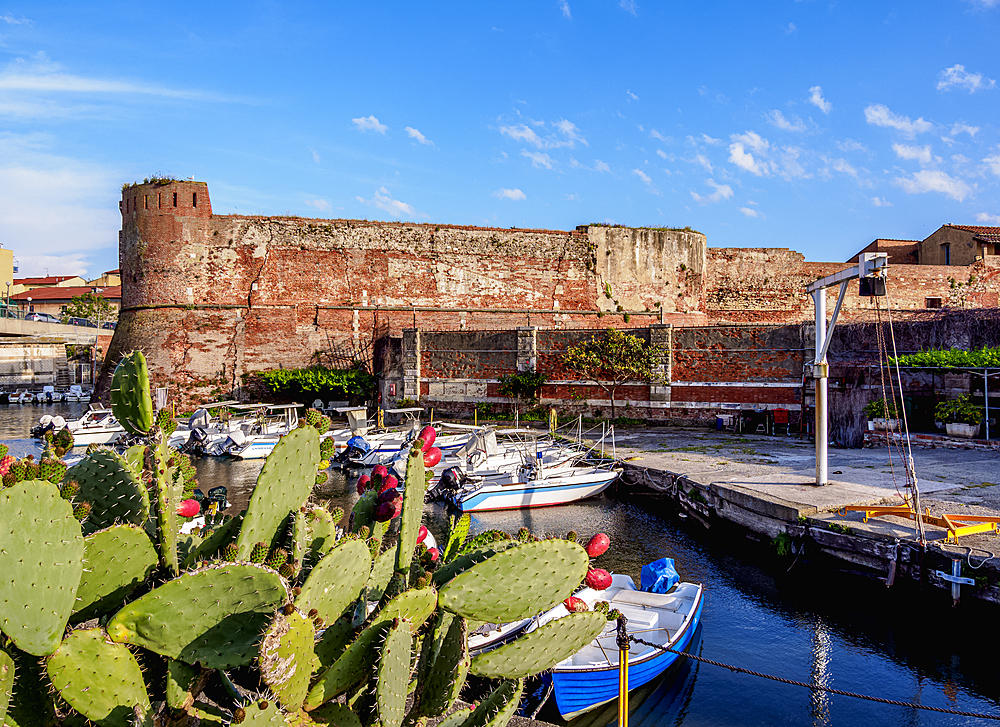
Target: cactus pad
282	486
7	673
336	715
445	675
287	660
215	615
463	562
321	529
167	498
378	581
497	709
255	715
336	637
112	488
336	581
517	583
413	510
393	673
100	680
115	562
457	534
216	541
41	561
181	684
541	649
130	400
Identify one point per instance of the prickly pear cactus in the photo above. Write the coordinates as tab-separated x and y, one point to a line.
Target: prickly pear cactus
445	664
337	580
413	509
260	713
457	534
217	540
393	673
287	659
541	649
517	583
112	488
164	518
116	561
182	683
378	581
130	400
214	616
100	680
321	530
41	561
283	485
497	709
7	673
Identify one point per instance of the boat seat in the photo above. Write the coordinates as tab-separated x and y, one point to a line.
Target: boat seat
642	598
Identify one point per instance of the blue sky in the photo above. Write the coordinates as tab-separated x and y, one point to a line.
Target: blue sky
809	124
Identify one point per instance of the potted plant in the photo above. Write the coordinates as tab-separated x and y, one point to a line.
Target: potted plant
960	416
883	414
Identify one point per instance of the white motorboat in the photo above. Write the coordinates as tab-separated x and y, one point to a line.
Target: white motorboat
97	426
256	439
529	486
202	429
76	393
48	395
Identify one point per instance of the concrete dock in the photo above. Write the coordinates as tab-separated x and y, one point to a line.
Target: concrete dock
764	486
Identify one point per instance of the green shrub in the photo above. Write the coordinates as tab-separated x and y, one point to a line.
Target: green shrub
952	358
316	382
881	409
958	411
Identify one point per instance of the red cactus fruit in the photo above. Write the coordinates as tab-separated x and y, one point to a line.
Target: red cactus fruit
432	456
433	553
188	508
385	512
363	481
5	464
388	495
380	469
421	534
598	579
428	434
598	545
398	503
388	483
575	605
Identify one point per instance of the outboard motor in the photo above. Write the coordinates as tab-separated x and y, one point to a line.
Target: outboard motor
450	482
43	427
357	449
196	442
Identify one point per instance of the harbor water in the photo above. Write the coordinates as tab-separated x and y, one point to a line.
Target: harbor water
838	631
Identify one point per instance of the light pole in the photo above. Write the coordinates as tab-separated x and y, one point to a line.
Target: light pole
7	311
29	304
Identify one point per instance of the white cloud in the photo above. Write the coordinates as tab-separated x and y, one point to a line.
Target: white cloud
522	133
628	6
958	77
750	212
382	199
993	163
879	115
569	130
920	154
987	219
776	118
722	191
703	161
315	155
11	20
564	6
42	78
753	140
851	145
631	95
660	153
711	141
657	135
842	166
881	202
538	159
414	134
817	100
320	204
788	165
600	166
744	160
790	29
511	194
643	176
370	123
935	181
964	128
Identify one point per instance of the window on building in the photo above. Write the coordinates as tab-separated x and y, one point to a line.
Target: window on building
932	302
175	199
946	248
194	199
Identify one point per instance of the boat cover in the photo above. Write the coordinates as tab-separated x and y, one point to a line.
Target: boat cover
659	576
360	444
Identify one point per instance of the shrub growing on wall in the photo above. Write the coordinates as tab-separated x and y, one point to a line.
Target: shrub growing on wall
315	382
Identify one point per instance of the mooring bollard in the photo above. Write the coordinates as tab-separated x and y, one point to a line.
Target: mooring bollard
622	672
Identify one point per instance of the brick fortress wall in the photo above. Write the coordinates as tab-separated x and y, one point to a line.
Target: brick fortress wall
210	297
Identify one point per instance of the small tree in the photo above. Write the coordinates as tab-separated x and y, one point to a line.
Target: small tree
613	358
92	306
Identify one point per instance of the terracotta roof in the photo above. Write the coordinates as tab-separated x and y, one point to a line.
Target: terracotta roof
986	234
110	293
50	280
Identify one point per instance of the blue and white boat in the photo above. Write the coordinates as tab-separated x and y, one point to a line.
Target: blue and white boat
589	678
530	486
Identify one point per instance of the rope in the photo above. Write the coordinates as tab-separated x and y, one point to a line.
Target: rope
831	690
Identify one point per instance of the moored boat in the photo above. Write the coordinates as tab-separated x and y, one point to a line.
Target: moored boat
530	486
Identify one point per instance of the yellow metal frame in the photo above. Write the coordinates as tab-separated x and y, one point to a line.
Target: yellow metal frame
623	687
955	525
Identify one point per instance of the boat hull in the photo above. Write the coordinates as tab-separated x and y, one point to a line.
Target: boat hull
534	493
580	691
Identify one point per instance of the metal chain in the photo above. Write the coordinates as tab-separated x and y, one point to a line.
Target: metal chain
831	690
